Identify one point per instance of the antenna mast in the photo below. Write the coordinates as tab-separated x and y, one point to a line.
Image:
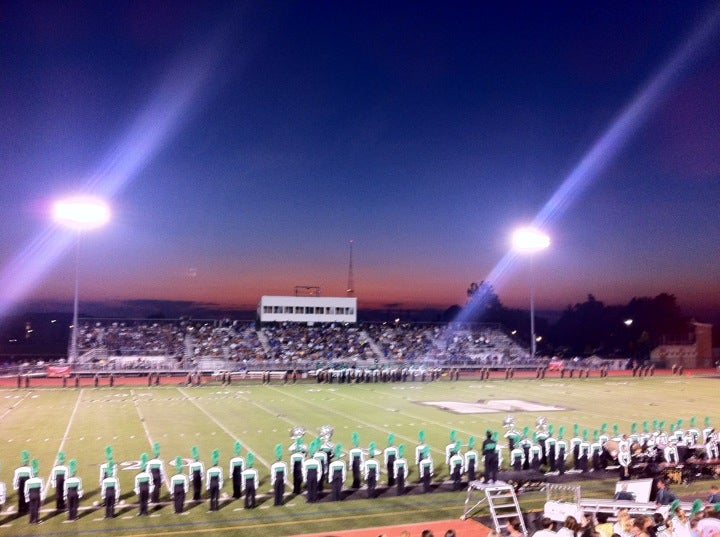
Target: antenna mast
350	291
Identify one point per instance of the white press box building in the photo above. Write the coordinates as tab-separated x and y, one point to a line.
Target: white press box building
307	309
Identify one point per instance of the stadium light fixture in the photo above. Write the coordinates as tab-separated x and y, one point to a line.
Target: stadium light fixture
529	240
80	214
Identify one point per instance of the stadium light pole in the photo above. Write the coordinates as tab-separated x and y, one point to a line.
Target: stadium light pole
79	214
529	240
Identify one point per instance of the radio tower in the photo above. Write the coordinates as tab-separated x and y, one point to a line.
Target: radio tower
350	291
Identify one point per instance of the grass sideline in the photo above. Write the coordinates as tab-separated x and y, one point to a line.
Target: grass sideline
81	422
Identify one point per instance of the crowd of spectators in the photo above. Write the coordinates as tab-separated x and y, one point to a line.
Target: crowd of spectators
669	520
297	344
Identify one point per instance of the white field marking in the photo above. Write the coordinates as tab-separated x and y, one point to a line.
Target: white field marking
411	441
226	430
147	431
14	406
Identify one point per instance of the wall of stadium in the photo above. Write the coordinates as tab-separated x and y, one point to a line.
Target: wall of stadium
307	309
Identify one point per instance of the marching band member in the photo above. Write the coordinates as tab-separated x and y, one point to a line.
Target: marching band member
450	448
296	463
337	473
73	490
457	467
471	459
596	451
490	458
214	481
312	470
707	430
110	488
561	447
372	470
278	472
57	481
426	469
196	470
584	452
21	475
34	493
517	458
106	466
575	442
250	482
356	456
551	449
535	454
670	454
401	470
179	486
420	449
142	485
156	468
235	471
390	455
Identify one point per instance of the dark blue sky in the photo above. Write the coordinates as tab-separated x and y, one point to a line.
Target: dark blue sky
243	144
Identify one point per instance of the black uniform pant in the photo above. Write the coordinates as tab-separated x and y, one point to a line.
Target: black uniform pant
197	485
214	493
144	494
561	461
391	470
356	473
73	502
471	470
491	467
457	478
60	492
109	502
237	481
336	485
22	503
279	488
526	463
179	497
34	505
551	458
157	483
297	477
583	463
250	494
400	481
312	486
371	482
426	479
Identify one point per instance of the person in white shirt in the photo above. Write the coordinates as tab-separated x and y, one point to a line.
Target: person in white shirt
547	528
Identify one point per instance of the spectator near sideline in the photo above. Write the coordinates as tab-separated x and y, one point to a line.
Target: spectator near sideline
547	528
664	496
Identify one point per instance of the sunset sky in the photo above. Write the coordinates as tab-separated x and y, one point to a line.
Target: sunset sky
242	145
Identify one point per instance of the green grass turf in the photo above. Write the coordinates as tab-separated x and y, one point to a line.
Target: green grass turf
130	418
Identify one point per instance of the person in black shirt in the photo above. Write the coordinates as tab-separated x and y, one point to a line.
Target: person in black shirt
489	451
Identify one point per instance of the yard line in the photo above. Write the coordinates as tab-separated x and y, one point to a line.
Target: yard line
13	407
67	431
225	429
147	431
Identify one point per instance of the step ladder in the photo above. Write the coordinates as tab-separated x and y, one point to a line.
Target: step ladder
502	503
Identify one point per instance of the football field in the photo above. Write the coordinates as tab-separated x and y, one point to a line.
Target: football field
82	422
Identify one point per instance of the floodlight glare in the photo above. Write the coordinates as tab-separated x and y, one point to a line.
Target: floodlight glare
81	213
528	239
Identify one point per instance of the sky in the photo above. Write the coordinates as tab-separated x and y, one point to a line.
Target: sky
242	145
